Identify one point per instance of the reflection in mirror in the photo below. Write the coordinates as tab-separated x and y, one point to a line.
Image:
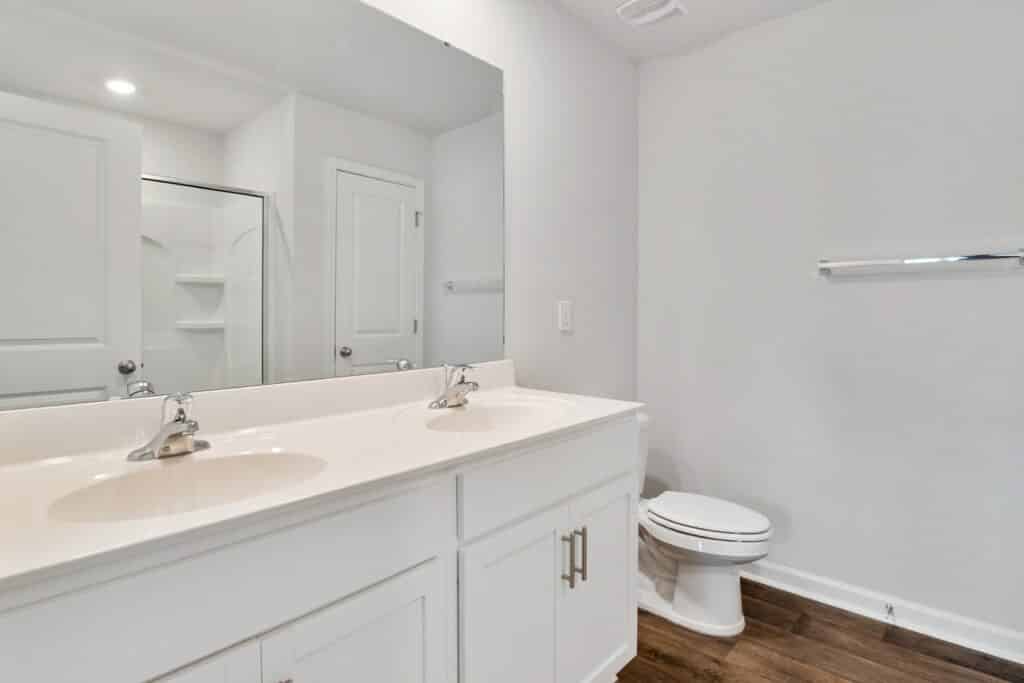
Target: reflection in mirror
229	193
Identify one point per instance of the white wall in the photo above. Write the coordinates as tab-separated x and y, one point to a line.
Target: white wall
260	155
570	108
464	241
181	152
877	421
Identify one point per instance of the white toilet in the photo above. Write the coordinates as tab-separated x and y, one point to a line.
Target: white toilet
691	551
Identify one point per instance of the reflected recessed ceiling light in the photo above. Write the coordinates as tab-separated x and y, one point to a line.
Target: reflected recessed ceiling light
120	87
641	12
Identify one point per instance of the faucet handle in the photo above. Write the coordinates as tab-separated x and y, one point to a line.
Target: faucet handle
183	405
450	370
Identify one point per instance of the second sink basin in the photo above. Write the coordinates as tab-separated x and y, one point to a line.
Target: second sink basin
485	418
487	414
185	484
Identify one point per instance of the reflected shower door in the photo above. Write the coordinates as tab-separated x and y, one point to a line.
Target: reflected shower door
202	286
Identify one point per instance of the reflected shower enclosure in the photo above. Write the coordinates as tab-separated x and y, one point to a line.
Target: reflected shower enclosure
202	285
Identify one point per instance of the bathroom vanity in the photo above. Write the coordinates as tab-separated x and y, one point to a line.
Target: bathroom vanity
494	542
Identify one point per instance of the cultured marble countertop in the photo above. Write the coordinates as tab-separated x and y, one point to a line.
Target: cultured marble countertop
48	527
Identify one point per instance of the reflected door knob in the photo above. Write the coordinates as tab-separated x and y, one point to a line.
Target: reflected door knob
345	351
127	367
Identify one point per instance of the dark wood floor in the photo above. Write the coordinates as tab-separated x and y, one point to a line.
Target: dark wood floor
790	638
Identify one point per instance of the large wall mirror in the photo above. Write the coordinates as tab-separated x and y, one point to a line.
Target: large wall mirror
207	194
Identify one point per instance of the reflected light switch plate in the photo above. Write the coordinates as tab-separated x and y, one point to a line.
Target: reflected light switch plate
565	322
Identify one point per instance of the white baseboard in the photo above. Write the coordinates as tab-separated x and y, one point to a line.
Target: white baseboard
970	633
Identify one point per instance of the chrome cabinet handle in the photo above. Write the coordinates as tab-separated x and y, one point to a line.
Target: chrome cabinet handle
584	536
571	576
344	352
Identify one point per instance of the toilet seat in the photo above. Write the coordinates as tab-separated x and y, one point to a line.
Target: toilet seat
672	542
710	518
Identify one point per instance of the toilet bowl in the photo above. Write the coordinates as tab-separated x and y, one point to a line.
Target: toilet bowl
691	550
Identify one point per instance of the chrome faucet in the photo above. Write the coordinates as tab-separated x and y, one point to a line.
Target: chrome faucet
176	437
141	387
456	387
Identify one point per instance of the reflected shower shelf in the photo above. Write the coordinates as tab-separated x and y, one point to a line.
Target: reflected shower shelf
199	279
200	325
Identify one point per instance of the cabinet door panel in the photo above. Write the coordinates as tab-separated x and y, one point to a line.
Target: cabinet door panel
597	620
391	633
510	585
238	665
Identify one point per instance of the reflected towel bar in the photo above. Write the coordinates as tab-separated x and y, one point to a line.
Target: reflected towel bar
466	286
828	267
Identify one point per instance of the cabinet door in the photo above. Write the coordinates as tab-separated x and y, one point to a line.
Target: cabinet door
391	633
597	619
510	585
238	665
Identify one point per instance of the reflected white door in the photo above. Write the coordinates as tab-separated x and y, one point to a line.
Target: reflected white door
379	266
69	263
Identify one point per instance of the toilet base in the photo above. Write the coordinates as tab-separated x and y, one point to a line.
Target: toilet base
697	592
650	601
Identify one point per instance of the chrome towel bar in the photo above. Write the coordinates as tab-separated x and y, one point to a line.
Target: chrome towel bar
481	285
826	267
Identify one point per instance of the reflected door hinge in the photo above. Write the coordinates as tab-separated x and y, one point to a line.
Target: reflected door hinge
415	325
419	218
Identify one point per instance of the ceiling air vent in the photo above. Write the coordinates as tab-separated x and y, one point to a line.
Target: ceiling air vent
642	12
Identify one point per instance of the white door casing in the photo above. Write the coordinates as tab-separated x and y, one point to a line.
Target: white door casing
69	265
378	224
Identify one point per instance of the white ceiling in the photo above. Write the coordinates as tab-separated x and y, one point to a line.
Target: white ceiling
707	21
213	64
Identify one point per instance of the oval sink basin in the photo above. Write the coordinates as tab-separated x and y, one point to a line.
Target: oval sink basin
186	484
482	416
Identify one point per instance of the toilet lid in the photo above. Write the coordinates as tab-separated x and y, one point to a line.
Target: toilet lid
708	514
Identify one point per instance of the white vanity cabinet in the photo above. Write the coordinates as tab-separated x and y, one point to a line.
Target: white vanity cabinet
597	619
390	633
510	592
319	589
240	664
550	598
515	565
393	632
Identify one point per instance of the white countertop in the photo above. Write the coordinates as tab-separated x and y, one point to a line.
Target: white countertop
358	449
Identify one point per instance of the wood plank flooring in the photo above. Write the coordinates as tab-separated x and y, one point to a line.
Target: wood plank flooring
792	639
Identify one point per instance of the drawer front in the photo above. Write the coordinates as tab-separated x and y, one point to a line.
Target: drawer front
497	493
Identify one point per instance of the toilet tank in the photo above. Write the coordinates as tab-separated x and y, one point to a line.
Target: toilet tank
644	421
